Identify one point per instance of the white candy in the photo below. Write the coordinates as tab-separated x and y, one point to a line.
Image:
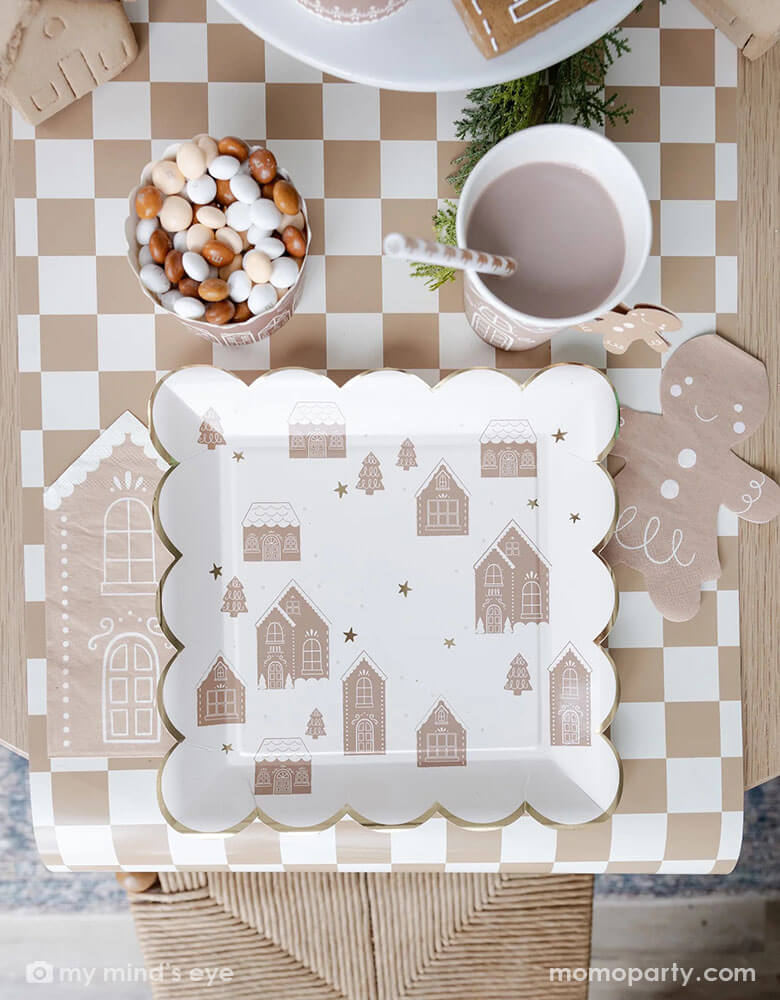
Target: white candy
254	234
154	278
145	228
169	299
270	246
224	167
201	190
284	271
240	286
195	266
245	188
261	297
180	240
145	256
238	216
296	220
265	215
189	308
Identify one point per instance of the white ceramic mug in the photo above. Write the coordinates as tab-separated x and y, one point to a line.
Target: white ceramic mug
492	319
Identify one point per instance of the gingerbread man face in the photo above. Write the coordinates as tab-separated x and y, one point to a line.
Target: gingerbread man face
720	390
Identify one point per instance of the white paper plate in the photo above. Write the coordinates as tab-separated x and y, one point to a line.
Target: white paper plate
415	710
423	46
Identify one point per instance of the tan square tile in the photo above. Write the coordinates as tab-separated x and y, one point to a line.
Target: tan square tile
135	844
469	846
179	109
725	867
176	345
726	325
451	295
247	376
301	343
418	869
235	54
646	15
356	845
588	843
118	165
66	226
410	340
632	867
726	114
30	401
446	152
726	228
730	688
692	835
342	375
69	343
177	10
118	290
641	673
32	515
687	57
35	629
639	355
120	391
315	208
408	215
61	449
644	124
655	217
73	122
692	728
80	797
733	783
644	786
293	111
24	168
537	357
138	70
701	630
27	285
352	169
256	844
728	550
687	170
353	284
688	283
407	116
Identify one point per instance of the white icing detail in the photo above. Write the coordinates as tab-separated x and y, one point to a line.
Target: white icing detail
653	526
739	427
749	500
669	489
738	407
686	458
704	420
688	380
676	390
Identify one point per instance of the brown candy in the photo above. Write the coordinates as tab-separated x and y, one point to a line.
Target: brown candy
219	312
213	290
262	165
267	190
217	253
225	196
174	268
189	286
231	146
286	198
159	245
294	241
148	202
242	313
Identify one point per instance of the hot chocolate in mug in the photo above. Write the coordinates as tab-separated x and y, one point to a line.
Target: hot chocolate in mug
568	205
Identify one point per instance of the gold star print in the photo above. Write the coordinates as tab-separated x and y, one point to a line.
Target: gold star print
574	518
404	588
238	456
559	435
341	489
350	636
215	570
449	643
533	504
227	747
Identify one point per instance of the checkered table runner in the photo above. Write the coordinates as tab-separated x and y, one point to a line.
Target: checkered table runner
369	161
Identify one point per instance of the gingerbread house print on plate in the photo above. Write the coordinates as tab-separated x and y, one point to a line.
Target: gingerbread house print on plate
283	767
442	504
271	533
569	700
105	647
292	641
317	430
221	695
512	583
441	739
364	707
507	449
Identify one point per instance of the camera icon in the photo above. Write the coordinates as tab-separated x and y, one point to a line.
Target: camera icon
39	972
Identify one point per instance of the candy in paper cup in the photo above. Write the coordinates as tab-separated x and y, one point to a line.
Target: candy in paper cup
353	11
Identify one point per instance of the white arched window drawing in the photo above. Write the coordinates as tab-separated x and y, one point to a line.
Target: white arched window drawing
274	634
128	548
493	576
493	619
570	728
570	683
293	606
364	736
275	675
441	715
527	459
251	543
490	459
442	481
337	440
364	693
290	543
263	776
531	600
312	657
507	463
272	548
130	670
298	441
301	776
220	673
282	781
317	446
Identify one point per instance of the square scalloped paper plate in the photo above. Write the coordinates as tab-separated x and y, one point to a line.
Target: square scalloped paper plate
386	599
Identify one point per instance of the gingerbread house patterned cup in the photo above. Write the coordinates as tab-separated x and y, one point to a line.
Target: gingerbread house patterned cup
490	318
257	327
353	11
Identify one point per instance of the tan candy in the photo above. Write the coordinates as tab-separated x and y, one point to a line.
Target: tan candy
191	160
167	177
198	236
258	266
213	290
230	238
148	202
176	213
208	145
211	216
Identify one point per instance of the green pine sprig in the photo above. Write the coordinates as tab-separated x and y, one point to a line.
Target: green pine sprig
436	275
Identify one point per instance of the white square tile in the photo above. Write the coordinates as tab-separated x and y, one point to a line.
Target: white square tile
215	13
686	867
283	68
308	848
42	803
687	114
126	343
647	287
638	837
731	729
638	623
726	171
693	784
641	66
529	841
34	573
728	522
578	348
726	280
86	845
304	161
426	844
67	285
237	109
313	296
354	340
691	673
730	834
110	216
449	109
70	401
403	293
687	228
471	867
29	330
177	52
579	867
79	763
728	617
353	226
408	169
692	325
725	61
26	227
350	111
646	159
250	357
187	850
639	729
638	389
682	14
36	686
32	458
64	169
21	128
459	346
121	110
132	797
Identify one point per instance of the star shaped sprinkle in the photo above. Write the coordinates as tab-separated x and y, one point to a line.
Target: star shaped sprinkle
238	456
404	588
559	435
574	518
449	643
341	489
533	504
227	747
215	570
350	636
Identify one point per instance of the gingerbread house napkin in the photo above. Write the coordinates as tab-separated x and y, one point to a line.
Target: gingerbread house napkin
499	25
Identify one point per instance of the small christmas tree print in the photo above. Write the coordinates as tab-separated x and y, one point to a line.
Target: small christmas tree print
234	601
406	456
370	478
518	678
316	726
210	430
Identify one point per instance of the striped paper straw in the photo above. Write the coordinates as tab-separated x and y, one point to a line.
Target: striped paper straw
429	252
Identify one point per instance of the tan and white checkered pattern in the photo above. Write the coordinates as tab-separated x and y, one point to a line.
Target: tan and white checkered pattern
368	162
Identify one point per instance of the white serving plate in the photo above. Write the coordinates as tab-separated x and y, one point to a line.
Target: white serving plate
424	46
415	712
